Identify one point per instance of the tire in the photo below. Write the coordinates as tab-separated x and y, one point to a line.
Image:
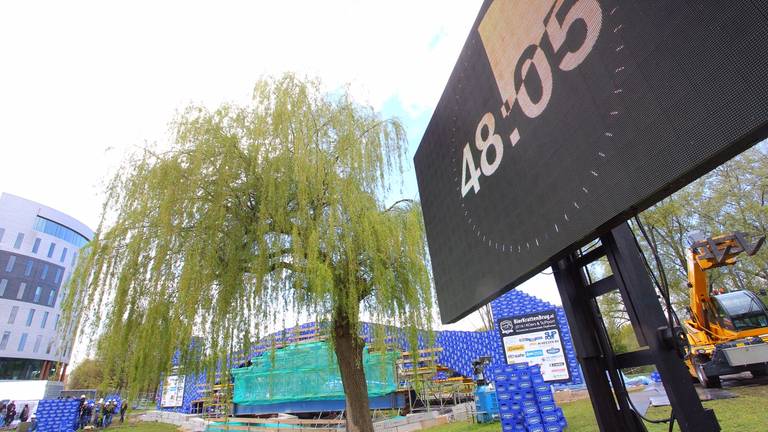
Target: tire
707	381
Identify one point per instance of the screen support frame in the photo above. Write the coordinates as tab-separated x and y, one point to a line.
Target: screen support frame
593	348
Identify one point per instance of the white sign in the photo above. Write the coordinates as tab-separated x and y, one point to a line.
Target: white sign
535	339
173	391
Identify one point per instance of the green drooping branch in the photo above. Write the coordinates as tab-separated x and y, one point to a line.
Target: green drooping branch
256	214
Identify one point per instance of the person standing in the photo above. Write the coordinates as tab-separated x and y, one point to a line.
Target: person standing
2	413
24	413
85	412
10	413
123	409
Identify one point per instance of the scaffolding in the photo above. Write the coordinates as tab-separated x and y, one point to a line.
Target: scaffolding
429	384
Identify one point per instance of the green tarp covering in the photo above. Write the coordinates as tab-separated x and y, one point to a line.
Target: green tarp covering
307	372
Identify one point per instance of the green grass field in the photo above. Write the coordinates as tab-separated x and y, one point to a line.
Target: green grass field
747	413
143	427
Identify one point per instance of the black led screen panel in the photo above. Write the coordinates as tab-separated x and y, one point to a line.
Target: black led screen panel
562	118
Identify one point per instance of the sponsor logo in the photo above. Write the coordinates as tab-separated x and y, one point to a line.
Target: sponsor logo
506	326
555	364
518	347
534	353
531	339
553	350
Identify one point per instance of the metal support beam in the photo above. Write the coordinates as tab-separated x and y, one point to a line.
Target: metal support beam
593	347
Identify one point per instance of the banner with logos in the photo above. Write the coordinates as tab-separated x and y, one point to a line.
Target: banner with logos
535	339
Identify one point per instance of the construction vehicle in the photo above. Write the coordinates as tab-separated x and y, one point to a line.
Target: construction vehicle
727	333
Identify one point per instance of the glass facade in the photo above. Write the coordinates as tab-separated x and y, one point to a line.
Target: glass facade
19	240
20	369
58	230
11	263
22	342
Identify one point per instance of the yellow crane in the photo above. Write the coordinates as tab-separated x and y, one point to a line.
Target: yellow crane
727	332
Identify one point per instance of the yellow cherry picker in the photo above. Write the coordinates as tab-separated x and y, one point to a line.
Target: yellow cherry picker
727	331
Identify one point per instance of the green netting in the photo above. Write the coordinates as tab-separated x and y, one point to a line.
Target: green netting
306	372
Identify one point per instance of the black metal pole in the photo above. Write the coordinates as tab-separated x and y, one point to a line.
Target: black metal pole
593	347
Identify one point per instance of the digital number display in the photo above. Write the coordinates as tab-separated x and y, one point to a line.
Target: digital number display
562	118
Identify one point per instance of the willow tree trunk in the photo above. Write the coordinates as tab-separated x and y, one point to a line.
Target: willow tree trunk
349	353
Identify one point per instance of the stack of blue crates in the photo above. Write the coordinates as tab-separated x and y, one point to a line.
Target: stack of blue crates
526	403
655	376
56	415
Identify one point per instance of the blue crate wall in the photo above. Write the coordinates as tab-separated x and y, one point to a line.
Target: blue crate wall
460	348
525	401
57	415
516	302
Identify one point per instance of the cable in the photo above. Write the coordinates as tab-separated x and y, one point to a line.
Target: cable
663	288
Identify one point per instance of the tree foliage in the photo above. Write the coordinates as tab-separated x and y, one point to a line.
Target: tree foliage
87	375
733	197
255	216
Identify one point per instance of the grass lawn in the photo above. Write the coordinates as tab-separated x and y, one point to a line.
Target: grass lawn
748	412
142	427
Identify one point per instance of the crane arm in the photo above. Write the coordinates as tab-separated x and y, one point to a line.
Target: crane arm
709	253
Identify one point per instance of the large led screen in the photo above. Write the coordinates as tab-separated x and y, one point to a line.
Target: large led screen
562	118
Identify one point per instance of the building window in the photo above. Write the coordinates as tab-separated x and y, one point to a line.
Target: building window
74	258
58	230
51	249
10	264
12	316
36	246
51	297
22	341
50	345
44	274
38	341
57	277
19	240
22	287
56	323
63	255
28	268
4	340
3	284
2	234
44	320
38	292
30	317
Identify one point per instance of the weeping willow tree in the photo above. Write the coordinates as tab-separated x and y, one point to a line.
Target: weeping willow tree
256	214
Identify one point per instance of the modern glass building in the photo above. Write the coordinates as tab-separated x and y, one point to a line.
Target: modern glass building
39	247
